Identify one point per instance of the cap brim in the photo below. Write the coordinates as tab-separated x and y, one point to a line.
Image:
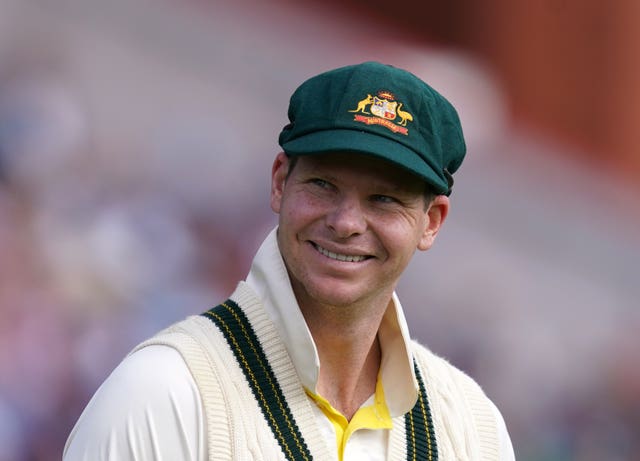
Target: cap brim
326	141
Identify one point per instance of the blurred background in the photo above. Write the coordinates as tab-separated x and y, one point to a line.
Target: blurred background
136	140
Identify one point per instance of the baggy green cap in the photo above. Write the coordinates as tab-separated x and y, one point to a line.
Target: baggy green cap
379	110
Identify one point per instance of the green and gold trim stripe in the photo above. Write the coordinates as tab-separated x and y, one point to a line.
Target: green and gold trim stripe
235	327
243	341
421	439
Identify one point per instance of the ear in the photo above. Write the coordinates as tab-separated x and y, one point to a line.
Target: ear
436	215
279	172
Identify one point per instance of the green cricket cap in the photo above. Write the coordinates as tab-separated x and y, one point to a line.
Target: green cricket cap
378	110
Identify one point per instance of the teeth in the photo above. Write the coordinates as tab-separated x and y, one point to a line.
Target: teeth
339	257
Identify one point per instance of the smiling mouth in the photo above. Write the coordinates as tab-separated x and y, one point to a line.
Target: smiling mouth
338	256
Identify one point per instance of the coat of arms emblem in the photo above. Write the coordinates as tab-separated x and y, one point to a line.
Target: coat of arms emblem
385	109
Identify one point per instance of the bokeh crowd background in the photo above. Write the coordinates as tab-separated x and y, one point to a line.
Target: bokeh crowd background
136	139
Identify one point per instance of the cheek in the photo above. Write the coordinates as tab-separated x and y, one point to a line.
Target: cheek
293	215
301	207
401	236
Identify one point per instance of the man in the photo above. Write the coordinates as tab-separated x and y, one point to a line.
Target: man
310	358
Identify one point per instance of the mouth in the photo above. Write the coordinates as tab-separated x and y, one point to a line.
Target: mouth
339	256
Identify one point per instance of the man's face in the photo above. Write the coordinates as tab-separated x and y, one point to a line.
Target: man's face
349	225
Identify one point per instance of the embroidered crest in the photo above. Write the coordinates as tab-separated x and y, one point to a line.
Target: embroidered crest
385	110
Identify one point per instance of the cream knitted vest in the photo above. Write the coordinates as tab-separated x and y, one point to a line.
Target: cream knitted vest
463	420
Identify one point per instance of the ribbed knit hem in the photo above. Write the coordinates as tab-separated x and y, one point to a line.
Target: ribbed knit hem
463	416
284	370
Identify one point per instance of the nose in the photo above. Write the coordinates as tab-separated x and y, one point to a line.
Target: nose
347	218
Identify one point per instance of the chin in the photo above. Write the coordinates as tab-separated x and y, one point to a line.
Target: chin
336	296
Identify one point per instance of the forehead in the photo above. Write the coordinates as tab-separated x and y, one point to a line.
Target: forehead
360	166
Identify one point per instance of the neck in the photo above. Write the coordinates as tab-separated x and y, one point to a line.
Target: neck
349	354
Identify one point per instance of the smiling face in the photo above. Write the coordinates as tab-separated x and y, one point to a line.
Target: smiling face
349	225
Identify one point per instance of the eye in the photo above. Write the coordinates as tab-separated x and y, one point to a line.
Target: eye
379	198
320	183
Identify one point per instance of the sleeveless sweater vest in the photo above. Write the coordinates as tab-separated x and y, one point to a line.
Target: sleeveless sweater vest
256	407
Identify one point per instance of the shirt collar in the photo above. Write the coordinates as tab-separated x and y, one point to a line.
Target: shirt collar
269	279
